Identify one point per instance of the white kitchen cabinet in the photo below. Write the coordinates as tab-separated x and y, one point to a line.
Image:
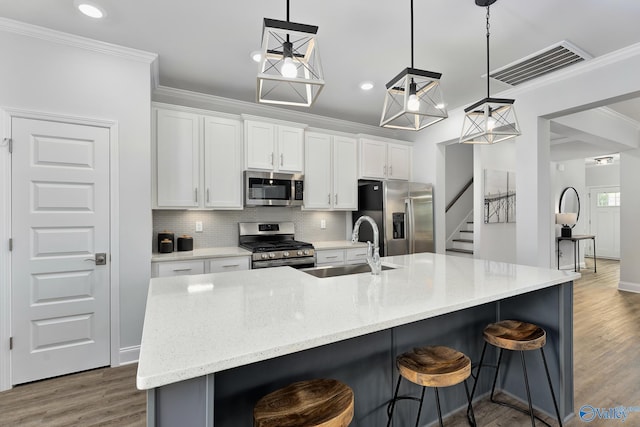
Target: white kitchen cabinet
178	268
331	180
384	160
177	159
220	265
341	256
273	147
198	160
222	163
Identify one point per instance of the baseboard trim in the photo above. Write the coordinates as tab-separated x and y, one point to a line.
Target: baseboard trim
629	287
129	355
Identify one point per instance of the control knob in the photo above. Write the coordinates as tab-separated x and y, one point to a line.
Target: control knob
285	254
299	253
264	256
306	251
272	255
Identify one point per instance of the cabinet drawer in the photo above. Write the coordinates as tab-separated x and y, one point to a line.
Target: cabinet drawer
180	268
356	256
219	265
332	257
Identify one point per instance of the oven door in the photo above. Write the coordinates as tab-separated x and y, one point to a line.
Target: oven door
272	189
302	262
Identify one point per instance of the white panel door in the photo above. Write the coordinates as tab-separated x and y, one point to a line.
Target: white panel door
260	144
604	222
373	159
60	220
398	161
223	163
290	149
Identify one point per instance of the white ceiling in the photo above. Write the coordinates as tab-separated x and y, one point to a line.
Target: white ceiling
204	45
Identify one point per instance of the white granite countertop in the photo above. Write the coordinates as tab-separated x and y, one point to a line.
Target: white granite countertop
221	252
202	324
338	244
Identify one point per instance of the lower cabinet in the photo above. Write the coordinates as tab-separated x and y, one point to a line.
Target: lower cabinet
341	256
199	266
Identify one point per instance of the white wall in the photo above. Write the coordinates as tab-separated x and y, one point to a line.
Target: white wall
603	175
61	78
629	214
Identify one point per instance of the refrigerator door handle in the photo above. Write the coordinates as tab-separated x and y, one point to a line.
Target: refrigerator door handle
409	226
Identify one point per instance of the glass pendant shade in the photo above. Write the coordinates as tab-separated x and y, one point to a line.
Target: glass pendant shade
489	121
413	100
290	72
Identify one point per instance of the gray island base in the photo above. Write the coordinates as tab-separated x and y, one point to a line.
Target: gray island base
347	328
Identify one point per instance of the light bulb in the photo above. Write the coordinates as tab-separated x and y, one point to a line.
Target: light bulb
413	103
289	69
491	123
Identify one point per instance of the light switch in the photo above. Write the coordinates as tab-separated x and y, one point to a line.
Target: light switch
198	226
323	224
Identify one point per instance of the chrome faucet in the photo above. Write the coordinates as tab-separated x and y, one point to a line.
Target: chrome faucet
373	251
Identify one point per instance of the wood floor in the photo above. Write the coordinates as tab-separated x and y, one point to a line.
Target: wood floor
606	351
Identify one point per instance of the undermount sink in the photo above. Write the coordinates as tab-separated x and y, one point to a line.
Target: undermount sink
341	270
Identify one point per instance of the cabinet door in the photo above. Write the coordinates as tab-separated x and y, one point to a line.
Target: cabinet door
290	149
317	178
222	163
260	138
399	161
373	159
330	257
356	256
345	175
177	154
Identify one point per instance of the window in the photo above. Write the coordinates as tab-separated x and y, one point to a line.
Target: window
605	200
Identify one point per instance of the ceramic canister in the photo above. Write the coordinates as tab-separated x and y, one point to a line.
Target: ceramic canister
185	243
165	235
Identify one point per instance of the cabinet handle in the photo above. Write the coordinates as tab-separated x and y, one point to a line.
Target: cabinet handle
231	265
182	269
391	170
384	169
331	257
329	198
195	190
271	158
281	159
336	199
207	195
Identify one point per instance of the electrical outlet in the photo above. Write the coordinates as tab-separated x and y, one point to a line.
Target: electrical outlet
323	224
198	226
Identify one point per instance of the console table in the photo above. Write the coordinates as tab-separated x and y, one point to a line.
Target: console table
576	249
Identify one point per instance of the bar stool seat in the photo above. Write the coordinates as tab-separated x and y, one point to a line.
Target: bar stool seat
434	366
519	336
312	403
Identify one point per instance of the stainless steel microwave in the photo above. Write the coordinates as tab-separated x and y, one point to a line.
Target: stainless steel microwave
273	189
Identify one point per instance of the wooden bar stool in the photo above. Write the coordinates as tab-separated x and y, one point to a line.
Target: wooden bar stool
313	403
435	367
517	336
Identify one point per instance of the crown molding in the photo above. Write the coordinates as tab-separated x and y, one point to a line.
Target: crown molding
199	100
54	36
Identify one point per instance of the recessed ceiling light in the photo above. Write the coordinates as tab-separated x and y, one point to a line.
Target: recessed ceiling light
366	85
256	55
90	9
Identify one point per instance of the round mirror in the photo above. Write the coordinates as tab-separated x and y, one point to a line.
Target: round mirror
570	202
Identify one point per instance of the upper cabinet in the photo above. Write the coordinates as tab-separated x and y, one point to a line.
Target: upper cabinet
384	160
198	160
177	159
331	180
273	147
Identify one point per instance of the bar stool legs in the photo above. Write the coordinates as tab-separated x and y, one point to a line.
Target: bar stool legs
520	346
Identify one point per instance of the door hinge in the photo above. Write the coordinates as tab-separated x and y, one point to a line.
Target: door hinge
10	245
9	142
10	343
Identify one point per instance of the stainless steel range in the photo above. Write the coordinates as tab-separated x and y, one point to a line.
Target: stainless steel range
273	245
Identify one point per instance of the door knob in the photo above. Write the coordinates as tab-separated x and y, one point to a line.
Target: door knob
100	258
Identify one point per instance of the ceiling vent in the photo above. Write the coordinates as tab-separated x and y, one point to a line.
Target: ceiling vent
548	60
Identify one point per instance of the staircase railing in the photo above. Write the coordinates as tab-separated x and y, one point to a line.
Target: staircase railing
460	193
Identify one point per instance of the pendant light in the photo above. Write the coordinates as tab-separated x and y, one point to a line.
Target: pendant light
414	99
489	120
290	72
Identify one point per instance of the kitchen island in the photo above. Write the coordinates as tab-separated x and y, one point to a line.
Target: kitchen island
213	344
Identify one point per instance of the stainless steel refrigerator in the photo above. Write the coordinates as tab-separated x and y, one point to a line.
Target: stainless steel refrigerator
403	212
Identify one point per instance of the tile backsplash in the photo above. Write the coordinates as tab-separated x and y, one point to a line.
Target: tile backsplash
220	228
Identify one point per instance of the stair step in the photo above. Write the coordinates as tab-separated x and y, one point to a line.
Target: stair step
466	231
462	251
463	240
